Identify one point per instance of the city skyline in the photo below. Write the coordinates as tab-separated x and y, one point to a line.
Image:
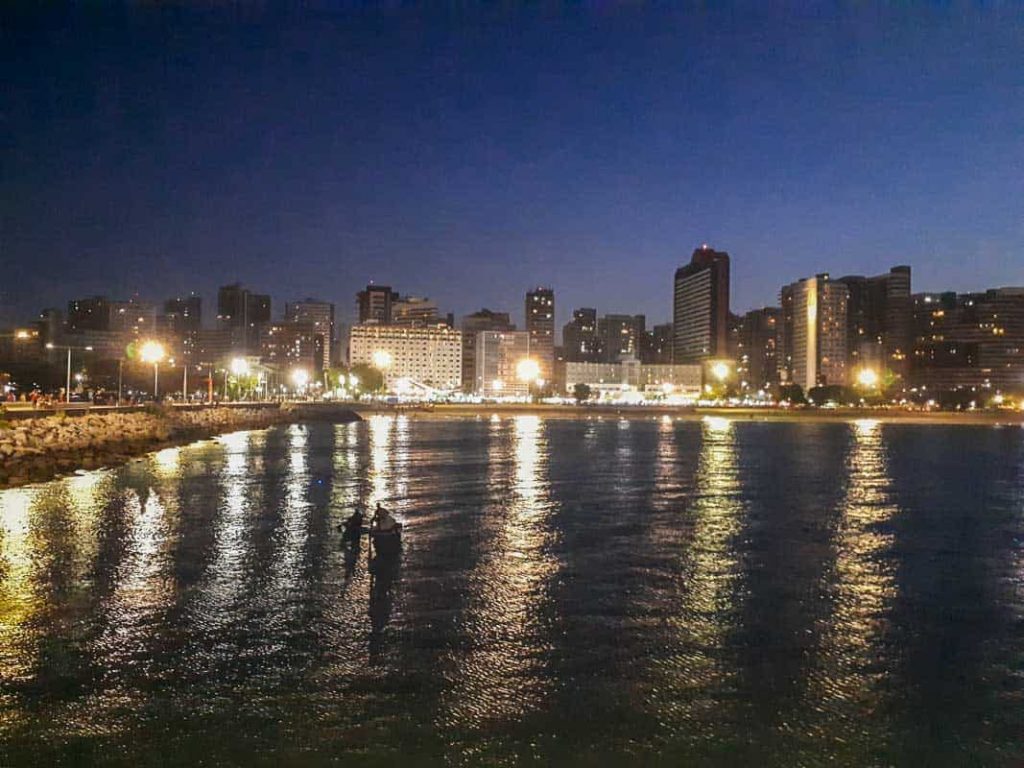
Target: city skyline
492	153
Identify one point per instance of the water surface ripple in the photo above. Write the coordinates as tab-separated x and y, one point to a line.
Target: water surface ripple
578	592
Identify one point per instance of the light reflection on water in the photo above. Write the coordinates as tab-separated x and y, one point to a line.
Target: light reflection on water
588	591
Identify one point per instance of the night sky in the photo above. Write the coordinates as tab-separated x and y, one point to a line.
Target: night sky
471	155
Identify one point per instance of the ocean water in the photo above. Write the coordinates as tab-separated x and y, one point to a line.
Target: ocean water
569	592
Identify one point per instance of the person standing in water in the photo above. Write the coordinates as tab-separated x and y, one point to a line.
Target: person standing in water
382	520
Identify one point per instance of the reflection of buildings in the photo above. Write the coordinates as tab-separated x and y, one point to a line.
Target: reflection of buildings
430	356
504	678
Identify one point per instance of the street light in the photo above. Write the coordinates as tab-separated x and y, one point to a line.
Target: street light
153	352
67	389
300	378
382	359
867	378
720	370
528	370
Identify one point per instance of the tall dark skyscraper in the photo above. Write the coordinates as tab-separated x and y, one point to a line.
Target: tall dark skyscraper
579	336
620	336
756	359
91	314
472	325
540	323
700	307
183	315
319	314
879	320
375	304
245	313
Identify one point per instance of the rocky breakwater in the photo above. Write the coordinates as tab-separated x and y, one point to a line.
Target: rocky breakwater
37	449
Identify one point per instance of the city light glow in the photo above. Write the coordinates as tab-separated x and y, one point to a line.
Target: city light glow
527	369
382	359
867	378
239	366
720	370
300	378
151	351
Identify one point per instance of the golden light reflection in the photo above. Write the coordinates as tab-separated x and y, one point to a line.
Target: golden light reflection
380	428
140	588
709	578
500	679
286	569
167	461
223	581
17	599
865	583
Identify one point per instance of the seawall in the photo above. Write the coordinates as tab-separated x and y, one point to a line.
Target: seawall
37	449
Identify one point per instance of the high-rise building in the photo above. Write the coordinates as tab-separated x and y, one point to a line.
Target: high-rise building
814	332
756	358
429	357
700	308
414	311
180	323
879	317
970	340
245	312
483	320
183	315
375	303
656	348
496	357
540	323
91	314
579	336
619	337
319	314
295	344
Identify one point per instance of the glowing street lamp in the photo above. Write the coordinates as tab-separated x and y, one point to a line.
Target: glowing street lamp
239	366
67	389
527	370
153	352
300	378
720	370
382	359
867	378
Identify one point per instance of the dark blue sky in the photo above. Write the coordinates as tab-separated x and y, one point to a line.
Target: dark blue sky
470	155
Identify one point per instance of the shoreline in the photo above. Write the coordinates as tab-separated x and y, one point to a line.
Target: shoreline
35	450
41	448
805	415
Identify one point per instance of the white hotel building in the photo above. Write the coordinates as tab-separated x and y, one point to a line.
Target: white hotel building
429	356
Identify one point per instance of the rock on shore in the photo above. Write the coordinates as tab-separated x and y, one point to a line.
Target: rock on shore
37	449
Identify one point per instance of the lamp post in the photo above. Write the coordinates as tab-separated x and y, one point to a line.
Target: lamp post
300	378
68	347
153	352
239	367
528	372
